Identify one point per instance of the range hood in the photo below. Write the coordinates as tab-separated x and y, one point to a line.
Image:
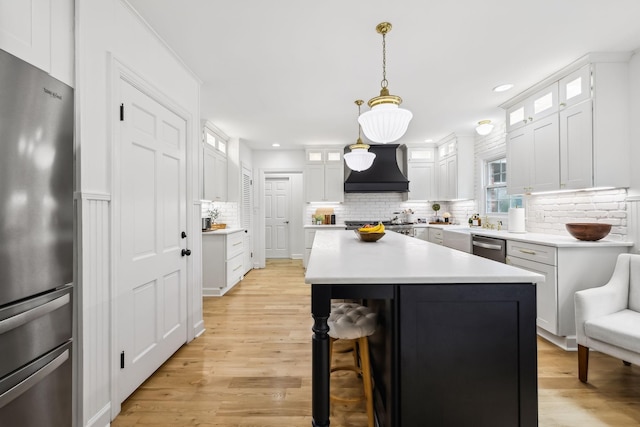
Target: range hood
384	176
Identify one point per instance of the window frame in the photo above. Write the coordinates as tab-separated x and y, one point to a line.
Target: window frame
484	160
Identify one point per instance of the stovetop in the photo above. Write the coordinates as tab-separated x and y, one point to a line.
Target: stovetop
386	223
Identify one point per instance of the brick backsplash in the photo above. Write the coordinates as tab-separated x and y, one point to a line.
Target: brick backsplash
549	213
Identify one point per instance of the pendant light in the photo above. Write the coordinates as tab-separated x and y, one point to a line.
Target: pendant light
359	158
386	121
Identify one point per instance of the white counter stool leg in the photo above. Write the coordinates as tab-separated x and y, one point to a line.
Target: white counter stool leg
355	323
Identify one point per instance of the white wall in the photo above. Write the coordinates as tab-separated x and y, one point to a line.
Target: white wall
109	31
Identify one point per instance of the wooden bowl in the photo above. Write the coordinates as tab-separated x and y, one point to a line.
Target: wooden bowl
369	237
588	231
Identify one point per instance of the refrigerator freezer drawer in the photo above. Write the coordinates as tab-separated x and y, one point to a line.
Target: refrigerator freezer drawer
39	394
34	327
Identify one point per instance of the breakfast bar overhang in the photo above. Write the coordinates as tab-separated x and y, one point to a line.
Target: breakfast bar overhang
460	330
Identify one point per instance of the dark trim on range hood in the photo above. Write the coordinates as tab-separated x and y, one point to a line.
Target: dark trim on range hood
384	176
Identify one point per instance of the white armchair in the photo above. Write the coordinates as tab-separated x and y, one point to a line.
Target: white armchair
608	317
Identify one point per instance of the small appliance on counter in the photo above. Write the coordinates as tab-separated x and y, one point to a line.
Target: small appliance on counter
516	220
206	223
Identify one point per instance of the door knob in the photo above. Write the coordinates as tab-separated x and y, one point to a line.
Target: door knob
186	252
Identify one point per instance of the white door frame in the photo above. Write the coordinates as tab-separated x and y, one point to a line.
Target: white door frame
289	179
118	70
296	220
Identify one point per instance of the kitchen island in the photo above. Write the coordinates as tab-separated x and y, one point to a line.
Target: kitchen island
457	341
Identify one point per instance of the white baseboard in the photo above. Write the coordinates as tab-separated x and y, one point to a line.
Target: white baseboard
565	343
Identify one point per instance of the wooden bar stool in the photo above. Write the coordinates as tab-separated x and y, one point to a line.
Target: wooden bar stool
355	323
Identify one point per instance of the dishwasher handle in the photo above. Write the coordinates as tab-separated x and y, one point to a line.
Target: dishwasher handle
487	245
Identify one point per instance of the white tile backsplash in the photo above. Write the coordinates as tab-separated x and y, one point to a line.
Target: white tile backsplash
228	212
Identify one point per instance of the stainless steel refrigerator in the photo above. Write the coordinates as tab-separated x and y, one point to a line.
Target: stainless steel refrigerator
36	246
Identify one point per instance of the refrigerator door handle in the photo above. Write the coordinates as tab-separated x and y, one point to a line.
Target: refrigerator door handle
27	316
34	379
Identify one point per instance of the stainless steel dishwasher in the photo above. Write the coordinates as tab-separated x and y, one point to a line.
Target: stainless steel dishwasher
489	247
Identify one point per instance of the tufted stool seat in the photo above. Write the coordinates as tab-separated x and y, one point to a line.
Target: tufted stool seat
350	321
354	322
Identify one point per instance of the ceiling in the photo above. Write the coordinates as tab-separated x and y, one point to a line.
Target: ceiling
289	71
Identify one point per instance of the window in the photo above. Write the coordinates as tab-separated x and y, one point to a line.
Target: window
497	201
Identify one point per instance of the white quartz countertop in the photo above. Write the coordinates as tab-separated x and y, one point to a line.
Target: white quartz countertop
546	239
340	257
222	231
320	227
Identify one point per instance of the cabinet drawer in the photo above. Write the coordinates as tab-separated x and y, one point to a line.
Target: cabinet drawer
532	252
234	270
435	233
309	235
234	244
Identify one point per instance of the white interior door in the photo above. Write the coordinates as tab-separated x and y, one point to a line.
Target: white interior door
151	269
247	217
277	192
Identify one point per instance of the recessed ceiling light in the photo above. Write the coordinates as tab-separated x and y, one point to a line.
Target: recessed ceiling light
428	140
503	88
275	145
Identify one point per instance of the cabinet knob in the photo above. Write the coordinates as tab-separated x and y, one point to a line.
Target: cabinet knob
562	104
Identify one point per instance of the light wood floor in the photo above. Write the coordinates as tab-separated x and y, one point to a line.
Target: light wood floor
252	368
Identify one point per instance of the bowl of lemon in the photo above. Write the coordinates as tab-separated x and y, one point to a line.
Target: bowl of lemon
370	233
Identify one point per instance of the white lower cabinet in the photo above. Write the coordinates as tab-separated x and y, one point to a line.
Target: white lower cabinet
566	270
436	236
222	261
421	233
309	235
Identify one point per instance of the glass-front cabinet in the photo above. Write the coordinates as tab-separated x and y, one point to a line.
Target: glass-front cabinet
535	107
576	87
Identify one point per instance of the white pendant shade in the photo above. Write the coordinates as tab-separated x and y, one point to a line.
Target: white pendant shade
359	159
484	127
385	123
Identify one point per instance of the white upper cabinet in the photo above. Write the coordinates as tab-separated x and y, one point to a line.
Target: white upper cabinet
421	173
577	119
40	32
535	107
576	146
324	175
576	87
214	164
533	157
455	168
